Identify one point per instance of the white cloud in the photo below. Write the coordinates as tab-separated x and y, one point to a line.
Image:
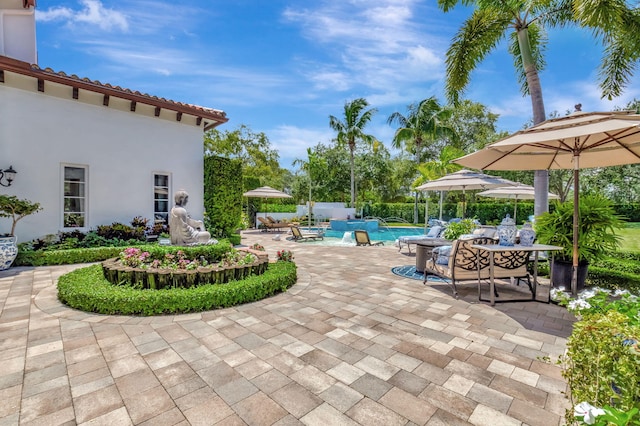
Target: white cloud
292	141
377	46
92	13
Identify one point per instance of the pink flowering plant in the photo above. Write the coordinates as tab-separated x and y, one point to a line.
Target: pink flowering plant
137	258
285	255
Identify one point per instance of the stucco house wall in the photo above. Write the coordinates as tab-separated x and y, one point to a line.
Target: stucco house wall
122	151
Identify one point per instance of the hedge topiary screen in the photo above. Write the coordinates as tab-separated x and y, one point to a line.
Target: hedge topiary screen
222	195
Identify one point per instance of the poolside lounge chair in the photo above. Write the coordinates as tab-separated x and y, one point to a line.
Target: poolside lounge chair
267	224
435	232
362	239
298	235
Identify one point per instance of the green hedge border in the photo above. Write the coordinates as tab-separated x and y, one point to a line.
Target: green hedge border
94	254
87	290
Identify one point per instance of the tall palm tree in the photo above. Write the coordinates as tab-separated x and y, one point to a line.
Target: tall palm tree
435	169
351	130
613	22
425	122
311	166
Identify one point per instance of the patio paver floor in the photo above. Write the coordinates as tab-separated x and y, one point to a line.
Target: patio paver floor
350	343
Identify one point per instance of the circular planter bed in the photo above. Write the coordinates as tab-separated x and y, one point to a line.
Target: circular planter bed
87	289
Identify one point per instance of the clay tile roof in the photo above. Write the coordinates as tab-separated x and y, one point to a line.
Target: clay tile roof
48	74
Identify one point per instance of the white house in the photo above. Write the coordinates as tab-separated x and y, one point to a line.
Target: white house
88	152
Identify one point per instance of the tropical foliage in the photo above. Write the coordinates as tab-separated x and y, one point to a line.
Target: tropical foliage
350	130
615	24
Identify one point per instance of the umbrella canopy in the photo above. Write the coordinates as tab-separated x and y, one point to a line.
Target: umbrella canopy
462	180
465	179
266	192
518	192
579	140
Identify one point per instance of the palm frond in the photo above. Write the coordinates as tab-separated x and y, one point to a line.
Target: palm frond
479	35
538	43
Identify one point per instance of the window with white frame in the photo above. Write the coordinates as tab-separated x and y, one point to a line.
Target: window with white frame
161	198
75	197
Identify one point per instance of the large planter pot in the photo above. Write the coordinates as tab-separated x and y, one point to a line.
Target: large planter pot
8	252
562	272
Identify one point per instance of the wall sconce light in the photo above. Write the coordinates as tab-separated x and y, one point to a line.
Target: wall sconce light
7	174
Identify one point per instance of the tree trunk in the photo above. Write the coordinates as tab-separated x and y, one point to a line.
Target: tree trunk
353	175
415	205
541	177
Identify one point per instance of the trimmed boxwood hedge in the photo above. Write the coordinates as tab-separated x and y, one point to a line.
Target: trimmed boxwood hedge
97	254
87	290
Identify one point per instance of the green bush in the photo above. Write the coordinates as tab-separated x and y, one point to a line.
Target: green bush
97	254
65	257
87	290
602	362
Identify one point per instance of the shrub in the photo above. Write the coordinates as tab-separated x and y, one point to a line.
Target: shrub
87	290
120	231
456	229
602	362
86	255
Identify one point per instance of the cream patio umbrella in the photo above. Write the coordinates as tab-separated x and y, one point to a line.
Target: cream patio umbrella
518	192
577	141
266	192
464	180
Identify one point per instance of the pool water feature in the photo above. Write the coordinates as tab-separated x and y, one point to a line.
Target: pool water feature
353	224
386	234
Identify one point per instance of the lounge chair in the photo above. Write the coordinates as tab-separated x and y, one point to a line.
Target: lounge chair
298	235
362	239
435	232
267	224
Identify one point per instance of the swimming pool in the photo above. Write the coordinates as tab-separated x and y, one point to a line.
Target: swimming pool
389	234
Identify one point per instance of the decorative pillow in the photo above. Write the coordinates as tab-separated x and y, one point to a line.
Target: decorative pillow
434	231
442	254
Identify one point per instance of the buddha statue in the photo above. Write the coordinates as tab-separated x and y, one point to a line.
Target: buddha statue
183	229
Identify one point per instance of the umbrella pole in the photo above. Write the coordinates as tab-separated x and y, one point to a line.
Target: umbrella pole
426	212
515	210
576	225
441	201
464	202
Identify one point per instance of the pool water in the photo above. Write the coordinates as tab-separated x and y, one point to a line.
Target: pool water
382	234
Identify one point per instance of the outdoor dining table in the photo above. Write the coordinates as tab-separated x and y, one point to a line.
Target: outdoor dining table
535	249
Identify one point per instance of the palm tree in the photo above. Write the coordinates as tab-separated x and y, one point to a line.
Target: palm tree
425	122
351	129
436	169
613	22
311	166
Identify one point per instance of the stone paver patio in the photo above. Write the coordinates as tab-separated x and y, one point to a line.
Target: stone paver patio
349	344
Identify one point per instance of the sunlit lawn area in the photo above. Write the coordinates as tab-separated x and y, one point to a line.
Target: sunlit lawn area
631	237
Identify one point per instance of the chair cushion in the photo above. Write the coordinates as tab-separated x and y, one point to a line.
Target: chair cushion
442	253
434	231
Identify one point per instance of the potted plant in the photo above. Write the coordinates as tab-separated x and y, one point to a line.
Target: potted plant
454	230
597	235
16	209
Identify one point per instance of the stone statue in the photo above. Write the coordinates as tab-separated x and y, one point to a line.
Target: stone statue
183	229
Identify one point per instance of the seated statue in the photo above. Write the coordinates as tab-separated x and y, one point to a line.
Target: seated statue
183	229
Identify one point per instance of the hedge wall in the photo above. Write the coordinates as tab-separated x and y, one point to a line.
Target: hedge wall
485	212
222	195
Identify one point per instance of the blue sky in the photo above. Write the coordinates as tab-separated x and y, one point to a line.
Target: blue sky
282	67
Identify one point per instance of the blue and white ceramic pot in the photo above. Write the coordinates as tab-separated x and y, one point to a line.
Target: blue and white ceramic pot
507	232
527	235
8	252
